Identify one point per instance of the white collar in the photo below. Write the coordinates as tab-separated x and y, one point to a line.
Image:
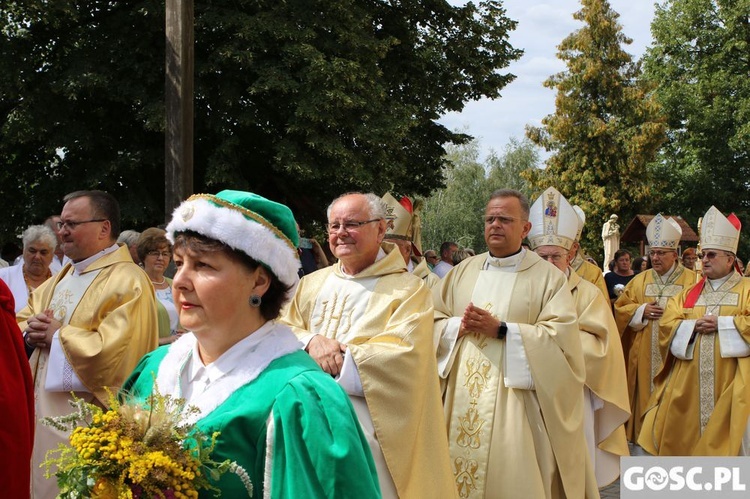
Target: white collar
81	266
716	283
236	367
380	256
667	274
508	263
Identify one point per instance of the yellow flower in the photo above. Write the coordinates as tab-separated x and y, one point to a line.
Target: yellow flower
104	489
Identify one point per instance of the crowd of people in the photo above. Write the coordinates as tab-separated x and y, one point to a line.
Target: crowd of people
523	371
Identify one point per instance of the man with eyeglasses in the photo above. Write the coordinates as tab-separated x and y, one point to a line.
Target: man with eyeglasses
639	309
89	325
554	228
510	352
431	258
368	323
700	405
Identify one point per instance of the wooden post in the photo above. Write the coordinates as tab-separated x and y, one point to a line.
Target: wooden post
178	147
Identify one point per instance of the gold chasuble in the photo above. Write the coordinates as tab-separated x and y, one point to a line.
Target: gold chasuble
605	377
514	407
640	339
109	322
423	272
591	273
384	315
701	404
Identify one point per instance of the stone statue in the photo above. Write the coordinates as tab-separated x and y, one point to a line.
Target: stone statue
611	238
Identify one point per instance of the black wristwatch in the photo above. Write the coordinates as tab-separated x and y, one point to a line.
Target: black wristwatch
502	330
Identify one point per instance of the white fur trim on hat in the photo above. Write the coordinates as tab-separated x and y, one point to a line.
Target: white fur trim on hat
236	231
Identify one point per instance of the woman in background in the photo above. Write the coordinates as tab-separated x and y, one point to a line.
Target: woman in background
155	252
38	249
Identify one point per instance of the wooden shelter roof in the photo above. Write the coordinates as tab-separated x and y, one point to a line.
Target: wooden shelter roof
636	229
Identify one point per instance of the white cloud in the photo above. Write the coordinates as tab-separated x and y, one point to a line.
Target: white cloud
541	27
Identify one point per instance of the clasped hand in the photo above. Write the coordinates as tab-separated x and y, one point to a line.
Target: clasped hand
328	353
40	329
707	324
478	320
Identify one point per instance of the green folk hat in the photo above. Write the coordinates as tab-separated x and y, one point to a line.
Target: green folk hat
261	228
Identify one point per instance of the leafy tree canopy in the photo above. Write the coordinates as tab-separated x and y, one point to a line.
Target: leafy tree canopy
456	212
606	128
298	100
700	63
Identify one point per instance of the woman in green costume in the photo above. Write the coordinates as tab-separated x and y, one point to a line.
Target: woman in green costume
281	418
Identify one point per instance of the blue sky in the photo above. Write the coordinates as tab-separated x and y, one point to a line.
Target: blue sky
542	25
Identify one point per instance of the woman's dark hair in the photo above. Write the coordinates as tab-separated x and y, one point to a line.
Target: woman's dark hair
621	252
636	265
151	239
275	296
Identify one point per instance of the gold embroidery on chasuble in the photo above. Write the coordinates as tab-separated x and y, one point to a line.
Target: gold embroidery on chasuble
339	305
480	375
334	318
661	294
713	300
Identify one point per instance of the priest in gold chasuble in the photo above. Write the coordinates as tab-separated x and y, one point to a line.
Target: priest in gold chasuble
90	324
606	405
368	322
701	400
510	353
639	309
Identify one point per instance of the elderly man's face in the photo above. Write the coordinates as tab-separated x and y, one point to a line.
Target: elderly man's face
716	263
357	247
404	247
556	255
662	259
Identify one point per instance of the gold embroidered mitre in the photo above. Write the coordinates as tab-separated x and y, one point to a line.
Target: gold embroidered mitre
398	218
720	232
554	222
663	232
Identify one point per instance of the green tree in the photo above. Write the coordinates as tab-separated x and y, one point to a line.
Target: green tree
298	100
455	212
606	127
510	169
700	63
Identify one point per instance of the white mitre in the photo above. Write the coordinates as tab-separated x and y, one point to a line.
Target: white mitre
581	221
720	232
554	222
663	232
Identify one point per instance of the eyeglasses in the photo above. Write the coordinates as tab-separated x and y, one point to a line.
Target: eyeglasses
505	220
73	225
710	255
349	225
659	253
555	257
157	254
